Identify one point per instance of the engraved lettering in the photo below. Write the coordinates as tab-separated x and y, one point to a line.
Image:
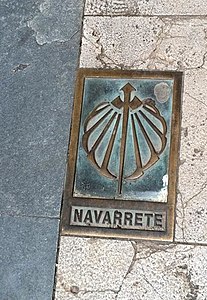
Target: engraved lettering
128	218
107	218
78	215
122	218
88	217
117	217
158	220
149	219
138	219
97	215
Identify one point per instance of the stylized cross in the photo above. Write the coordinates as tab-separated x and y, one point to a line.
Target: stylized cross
126	105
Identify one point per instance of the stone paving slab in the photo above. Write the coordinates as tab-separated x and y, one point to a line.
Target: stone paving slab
39	54
172	272
92	265
192	184
144	43
27	257
106	269
144	7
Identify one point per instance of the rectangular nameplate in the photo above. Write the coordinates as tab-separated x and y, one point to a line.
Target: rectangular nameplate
118	218
123	153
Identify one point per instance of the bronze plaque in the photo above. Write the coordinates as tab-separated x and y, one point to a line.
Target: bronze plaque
123	154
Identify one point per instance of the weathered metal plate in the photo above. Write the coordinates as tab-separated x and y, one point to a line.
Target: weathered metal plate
123	153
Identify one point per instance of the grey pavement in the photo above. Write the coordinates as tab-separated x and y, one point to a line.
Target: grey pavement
28	251
39	52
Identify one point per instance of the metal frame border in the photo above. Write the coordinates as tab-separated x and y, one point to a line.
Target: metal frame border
69	200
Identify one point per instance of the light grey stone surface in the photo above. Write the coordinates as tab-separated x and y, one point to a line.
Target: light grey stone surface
93	265
145	7
107	269
27	257
192	188
144	43
165	44
167	272
64	294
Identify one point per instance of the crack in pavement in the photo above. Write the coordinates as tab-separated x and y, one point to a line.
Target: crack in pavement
152	248
196	99
129	269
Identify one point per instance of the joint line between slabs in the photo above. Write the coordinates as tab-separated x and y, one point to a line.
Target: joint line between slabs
148	16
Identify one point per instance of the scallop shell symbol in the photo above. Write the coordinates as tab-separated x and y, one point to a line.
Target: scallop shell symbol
107	130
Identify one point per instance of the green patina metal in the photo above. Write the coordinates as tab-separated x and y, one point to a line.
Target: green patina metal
151	183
